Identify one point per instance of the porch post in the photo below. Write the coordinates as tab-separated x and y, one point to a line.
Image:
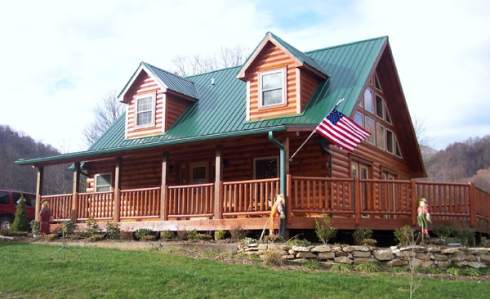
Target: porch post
218	184
76	185
116	214
39	191
163	190
413	189
472	205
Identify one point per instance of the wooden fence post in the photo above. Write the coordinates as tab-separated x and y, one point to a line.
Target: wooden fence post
357	194
288	194
472	204
75	187
39	191
218	185
413	191
116	214
163	190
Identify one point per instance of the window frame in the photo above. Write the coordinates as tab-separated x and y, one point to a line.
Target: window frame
153	108
392	141
265	158
102	174
198	164
283	72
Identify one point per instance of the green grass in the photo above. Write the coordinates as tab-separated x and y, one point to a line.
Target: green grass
36	271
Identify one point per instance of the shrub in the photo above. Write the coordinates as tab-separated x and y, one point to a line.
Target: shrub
192	235
466	236
369	242
324	230
182	235
444	231
272	258
92	227
68	228
20	223
113	231
361	234
96	237
311	264
219	235
167	235
369	267
237	233
144	234
404	235
341	268
298	242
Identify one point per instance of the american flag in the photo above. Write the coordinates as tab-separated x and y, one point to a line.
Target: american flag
342	131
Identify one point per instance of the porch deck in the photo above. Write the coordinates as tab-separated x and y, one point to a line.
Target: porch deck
352	203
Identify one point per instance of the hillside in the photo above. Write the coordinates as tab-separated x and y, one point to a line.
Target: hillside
467	160
14	145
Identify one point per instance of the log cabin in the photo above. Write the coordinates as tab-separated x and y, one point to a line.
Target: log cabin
212	151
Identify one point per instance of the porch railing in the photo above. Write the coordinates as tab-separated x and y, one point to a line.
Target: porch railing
97	205
190	201
137	203
60	205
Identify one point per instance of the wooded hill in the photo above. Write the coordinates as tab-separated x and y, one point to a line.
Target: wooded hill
13	146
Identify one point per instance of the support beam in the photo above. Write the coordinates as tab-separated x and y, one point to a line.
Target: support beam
163	191
39	191
218	184
116	215
282	179
75	188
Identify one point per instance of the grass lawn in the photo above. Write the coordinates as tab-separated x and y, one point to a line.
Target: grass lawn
37	271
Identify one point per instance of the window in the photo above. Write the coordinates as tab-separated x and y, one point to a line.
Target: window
145	111
387	114
272	88
380	136
103	182
368	100
397	149
199	172
377	83
358	118
360	170
370	126
4	197
379	106
387	175
390	147
265	168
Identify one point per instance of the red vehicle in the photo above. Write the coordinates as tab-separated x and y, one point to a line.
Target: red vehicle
8	203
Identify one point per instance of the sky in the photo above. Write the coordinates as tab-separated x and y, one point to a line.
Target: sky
60	58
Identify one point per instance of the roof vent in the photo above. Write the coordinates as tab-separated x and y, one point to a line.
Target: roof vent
213	82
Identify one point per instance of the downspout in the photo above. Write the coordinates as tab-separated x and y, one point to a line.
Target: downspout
282	183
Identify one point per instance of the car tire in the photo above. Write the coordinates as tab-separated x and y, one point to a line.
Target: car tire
5	222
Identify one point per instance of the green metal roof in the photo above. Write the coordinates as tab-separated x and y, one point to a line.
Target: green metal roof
173	81
220	110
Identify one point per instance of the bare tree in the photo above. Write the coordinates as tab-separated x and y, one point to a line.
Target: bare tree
106	113
191	65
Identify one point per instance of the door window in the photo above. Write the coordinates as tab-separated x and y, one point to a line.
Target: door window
265	168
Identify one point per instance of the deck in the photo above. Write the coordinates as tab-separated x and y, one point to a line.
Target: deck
352	203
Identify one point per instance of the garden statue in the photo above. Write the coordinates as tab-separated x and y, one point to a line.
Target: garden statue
45	216
423	218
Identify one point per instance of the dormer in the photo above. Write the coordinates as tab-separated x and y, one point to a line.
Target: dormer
154	100
280	79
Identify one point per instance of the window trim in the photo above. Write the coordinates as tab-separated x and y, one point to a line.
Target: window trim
284	87
153	108
265	158
101	174
392	141
198	164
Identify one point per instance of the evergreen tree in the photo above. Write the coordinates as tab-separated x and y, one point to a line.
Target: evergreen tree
20	222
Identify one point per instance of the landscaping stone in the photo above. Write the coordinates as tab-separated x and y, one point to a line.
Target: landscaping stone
478	250
326	255
343	260
439	257
383	254
262	246
355	248
451	250
397	263
442	264
279	247
288	257
476	265
321	248
361	253
301	248
485	258
363	260
306	255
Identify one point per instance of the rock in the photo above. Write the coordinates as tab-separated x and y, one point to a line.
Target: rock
252	245
363	260
478	250
336	248
341	253
476	265
306	255
298	261
279	247
442	264
485	258
262	246
327	264
355	248
463	257
287	257
426	264
423	256
343	260
326	255
416	248
452	250
396	263
301	248
361	253
251	249
321	248
433	249
383	254
439	257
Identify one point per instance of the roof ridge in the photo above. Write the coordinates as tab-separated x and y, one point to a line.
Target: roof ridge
214	71
347	44
167	72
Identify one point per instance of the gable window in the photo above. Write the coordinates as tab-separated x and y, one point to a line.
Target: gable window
272	89
370	126
358	118
103	182
368	100
390	147
379	106
397	149
145	111
380	136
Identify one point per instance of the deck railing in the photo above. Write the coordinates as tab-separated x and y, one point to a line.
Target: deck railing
96	205
251	197
188	201
136	203
366	203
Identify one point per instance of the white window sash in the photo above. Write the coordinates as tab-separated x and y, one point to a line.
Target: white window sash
151	110
283	87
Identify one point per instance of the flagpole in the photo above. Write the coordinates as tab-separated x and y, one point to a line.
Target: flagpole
312	133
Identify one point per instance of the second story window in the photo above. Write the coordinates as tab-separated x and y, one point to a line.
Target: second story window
145	108
272	89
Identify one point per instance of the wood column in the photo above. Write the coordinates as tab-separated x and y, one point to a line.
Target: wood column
218	184
163	191
39	191
472	205
413	191
75	189
116	214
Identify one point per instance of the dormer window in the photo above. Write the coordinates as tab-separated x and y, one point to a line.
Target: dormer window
145	110
272	88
